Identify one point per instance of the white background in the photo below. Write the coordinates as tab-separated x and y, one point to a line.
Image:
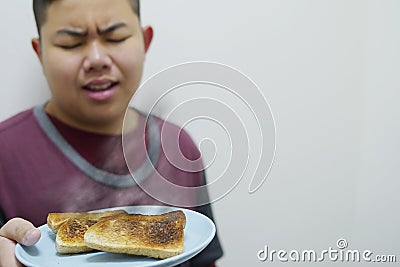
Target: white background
330	70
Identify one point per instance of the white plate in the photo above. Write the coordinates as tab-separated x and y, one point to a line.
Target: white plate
199	232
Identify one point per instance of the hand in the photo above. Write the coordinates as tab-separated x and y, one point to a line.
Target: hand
16	230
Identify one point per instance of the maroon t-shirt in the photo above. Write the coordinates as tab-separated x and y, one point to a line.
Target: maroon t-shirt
42	172
99	149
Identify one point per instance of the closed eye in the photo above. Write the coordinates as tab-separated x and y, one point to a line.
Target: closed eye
70	46
117	40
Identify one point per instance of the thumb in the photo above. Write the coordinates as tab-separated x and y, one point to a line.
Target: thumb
21	231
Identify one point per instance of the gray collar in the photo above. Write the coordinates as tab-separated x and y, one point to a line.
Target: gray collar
99	175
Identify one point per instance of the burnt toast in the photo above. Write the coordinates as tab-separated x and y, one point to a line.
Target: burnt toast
55	220
69	239
71	227
157	236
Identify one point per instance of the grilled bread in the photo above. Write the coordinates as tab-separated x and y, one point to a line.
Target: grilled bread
55	220
157	236
69	239
70	231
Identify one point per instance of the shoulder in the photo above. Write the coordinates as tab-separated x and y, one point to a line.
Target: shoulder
16	134
18	121
172	135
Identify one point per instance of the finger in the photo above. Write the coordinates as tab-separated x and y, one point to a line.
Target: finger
21	231
7	257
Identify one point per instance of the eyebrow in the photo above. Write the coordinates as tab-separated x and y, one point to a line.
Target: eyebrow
112	28
79	33
76	33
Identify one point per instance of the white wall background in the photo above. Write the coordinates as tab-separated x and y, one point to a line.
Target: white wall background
330	70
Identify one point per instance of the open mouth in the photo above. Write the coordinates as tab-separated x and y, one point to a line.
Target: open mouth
100	87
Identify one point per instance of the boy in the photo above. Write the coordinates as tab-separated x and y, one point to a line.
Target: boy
67	155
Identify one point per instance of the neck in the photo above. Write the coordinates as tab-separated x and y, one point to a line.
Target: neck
126	122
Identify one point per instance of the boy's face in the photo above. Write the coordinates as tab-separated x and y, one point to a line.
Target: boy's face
92	54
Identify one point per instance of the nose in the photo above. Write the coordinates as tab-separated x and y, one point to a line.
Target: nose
97	58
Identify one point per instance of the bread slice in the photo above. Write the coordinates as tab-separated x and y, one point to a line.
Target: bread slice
55	220
69	239
70	234
157	236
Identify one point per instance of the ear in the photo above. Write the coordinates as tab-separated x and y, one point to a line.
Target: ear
37	48
147	37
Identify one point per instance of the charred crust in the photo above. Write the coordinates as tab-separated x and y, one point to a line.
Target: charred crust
77	228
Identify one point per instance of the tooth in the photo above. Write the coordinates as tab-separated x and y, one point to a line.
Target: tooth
99	87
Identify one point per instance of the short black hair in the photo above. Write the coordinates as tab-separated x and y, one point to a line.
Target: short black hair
40	7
